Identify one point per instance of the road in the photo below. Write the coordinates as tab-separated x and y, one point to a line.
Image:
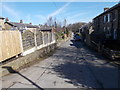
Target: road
73	65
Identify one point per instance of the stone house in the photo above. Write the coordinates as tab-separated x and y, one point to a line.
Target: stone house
108	23
86	31
20	26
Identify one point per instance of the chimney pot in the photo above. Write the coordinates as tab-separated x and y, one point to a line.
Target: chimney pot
21	21
7	19
105	9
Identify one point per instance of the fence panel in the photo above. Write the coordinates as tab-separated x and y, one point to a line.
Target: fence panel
39	38
45	35
10	44
13	43
0	46
53	36
50	37
28	40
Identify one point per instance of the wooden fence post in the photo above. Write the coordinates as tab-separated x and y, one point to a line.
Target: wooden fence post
43	38
21	43
35	38
0	46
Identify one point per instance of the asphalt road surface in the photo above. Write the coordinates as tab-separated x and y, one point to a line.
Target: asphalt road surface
73	65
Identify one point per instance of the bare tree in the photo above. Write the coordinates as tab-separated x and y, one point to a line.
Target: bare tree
50	21
45	24
64	22
55	23
74	27
59	24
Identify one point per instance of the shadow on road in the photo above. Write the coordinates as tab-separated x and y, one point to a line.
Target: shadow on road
82	74
11	70
80	44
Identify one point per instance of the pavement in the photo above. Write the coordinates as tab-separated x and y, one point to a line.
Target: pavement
73	65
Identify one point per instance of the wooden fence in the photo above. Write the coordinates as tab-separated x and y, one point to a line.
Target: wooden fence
13	43
10	44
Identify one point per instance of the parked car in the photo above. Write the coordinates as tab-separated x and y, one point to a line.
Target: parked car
77	37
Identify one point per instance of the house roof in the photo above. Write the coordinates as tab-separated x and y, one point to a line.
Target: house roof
46	29
114	7
2	17
87	25
16	24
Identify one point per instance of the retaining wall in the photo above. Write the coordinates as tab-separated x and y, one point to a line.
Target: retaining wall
30	58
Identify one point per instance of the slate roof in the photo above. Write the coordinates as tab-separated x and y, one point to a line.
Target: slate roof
45	28
2	17
15	24
112	8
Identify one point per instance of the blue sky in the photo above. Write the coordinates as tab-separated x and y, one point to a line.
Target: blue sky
39	12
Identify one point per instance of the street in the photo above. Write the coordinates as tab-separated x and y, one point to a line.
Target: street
73	65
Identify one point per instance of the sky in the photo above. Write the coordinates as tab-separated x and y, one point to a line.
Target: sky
39	12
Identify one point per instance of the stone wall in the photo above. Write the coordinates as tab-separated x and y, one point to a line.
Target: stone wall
26	60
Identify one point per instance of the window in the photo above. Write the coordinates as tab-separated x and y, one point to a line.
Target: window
108	17
104	18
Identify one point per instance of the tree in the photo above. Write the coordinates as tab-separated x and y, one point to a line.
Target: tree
59	24
50	22
74	27
55	24
64	22
45	24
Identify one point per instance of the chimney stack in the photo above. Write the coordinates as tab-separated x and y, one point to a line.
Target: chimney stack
105	9
21	21
6	20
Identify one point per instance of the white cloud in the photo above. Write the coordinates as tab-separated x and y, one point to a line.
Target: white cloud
41	17
28	19
0	8
76	15
10	11
58	11
75	18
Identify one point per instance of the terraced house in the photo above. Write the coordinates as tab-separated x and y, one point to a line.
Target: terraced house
20	26
108	23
